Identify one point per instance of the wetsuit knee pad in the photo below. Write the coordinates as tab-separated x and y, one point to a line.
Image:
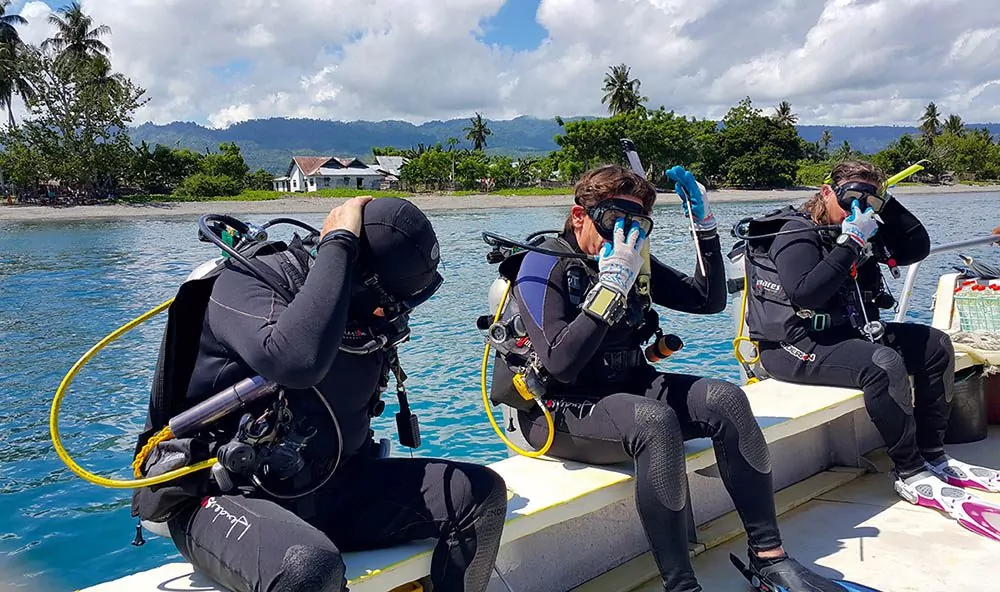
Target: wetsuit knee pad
891	363
948	351
490	494
658	434
730	403
308	567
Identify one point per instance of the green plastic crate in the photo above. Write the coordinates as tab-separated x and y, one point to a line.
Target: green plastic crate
978	310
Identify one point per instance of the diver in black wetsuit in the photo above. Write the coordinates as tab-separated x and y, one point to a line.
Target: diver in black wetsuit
586	323
250	542
814	311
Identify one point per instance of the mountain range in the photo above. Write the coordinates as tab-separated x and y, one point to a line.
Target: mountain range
270	143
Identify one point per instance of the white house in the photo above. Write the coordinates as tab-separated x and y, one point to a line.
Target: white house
312	173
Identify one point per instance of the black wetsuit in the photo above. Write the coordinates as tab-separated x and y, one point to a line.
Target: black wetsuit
610	405
254	544
817	275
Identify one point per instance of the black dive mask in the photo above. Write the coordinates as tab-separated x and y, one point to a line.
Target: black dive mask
393	327
855	190
608	211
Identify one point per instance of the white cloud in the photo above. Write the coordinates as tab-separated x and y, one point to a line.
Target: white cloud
838	61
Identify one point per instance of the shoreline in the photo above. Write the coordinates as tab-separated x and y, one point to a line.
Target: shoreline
432	202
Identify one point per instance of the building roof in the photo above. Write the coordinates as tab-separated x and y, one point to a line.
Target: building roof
348	172
307	164
310	165
391	164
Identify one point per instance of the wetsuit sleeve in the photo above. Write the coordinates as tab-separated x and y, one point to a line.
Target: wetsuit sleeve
293	344
810	278
903	234
564	339
699	294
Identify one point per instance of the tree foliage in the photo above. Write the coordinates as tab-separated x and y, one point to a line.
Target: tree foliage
621	93
477	132
76	131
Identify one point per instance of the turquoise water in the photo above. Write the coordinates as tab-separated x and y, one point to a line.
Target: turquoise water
63	286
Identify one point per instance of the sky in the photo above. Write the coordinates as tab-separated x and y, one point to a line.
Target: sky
838	62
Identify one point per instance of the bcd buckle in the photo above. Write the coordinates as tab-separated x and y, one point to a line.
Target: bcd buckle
821	321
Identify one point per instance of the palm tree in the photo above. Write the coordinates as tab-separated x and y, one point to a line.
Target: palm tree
985	135
477	132
8	24
954	125
103	80
12	79
824	140
783	114
621	93
930	123
76	38
844	152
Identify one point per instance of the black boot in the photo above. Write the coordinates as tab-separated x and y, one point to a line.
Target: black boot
785	574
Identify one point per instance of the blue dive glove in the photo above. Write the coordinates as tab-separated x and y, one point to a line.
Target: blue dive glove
860	226
619	263
692	194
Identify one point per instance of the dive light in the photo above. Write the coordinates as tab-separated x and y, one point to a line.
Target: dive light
221	404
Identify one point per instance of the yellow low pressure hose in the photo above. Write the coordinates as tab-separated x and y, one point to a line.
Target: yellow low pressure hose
163	435
740	338
486	400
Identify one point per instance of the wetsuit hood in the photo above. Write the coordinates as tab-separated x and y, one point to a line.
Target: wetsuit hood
398	258
398	244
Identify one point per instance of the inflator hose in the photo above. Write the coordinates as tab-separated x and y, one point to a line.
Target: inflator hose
57	404
486	399
165	433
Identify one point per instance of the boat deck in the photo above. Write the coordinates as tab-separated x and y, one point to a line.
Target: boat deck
863	532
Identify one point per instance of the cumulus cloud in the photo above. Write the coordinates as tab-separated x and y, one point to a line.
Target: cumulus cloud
836	61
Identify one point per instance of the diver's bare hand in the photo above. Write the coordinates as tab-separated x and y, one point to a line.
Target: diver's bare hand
346	216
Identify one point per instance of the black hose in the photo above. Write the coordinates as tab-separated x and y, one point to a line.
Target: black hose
495	240
241	228
292	222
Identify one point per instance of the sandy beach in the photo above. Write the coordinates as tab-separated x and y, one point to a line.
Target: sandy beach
303	205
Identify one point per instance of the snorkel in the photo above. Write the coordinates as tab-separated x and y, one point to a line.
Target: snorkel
642	283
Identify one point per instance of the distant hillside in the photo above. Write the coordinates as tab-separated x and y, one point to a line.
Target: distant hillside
270	143
873	138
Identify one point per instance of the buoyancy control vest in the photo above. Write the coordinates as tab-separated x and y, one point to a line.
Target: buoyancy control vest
515	360
770	314
288	266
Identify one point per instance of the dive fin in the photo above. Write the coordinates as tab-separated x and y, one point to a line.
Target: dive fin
760	585
852	587
979	517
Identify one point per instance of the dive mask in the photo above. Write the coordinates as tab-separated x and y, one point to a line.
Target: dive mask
607	212
392	327
865	193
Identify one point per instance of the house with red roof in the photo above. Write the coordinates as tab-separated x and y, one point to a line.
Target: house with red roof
312	173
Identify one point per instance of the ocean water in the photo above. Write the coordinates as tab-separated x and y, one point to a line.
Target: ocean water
63	286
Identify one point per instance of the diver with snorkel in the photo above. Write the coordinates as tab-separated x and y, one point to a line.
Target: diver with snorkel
569	324
813	294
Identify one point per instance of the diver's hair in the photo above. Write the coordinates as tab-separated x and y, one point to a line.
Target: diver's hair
860	170
601	183
816	208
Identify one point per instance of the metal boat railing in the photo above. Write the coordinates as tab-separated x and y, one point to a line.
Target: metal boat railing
911	271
